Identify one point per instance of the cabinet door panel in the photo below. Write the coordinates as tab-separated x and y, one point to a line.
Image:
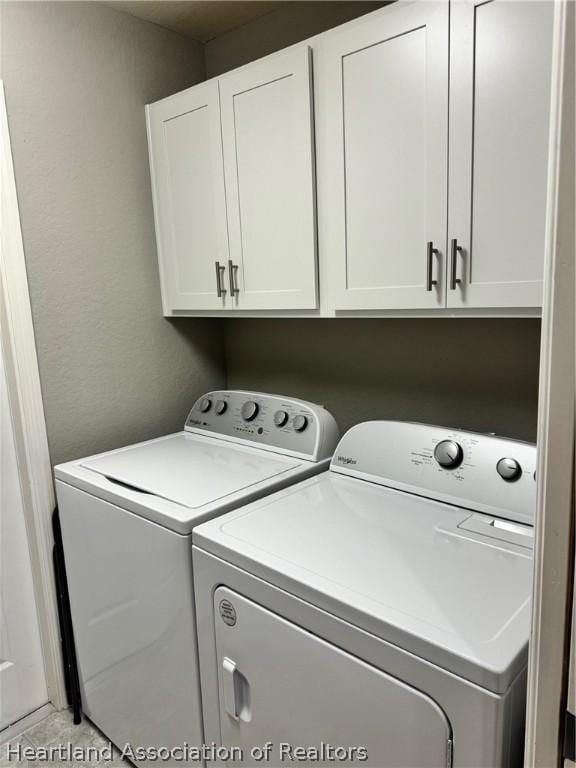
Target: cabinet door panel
189	201
499	113
388	138
393	125
267	135
279	683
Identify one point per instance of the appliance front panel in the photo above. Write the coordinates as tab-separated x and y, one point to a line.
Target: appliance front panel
299	691
132	603
190	470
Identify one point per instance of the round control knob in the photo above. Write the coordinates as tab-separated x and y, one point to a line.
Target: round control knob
280	418
220	407
300	423
509	469
205	404
249	410
449	454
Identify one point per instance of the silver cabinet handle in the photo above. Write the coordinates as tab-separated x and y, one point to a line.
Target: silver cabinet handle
455	249
232	268
219	290
430	253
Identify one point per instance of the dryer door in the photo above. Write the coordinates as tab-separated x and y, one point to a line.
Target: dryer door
279	683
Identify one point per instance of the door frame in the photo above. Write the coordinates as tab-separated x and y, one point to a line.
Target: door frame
24	392
554	549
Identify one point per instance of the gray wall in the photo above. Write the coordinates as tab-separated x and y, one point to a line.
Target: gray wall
475	374
290	24
479	374
77	77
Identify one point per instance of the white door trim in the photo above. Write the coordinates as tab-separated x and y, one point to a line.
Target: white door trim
17	338
555	510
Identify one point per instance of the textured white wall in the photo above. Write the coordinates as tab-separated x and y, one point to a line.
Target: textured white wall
77	77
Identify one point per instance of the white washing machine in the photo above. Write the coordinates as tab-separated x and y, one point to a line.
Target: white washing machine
126	519
381	609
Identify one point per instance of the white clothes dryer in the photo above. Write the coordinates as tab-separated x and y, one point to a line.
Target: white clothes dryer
126	519
376	614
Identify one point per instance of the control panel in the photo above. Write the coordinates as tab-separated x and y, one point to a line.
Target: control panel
484	473
277	423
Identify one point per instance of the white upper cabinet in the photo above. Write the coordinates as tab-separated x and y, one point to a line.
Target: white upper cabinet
431	123
387	116
267	134
189	200
500	74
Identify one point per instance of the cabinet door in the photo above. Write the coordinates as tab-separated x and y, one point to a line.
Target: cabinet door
269	169
500	71
189	201
282	684
387	105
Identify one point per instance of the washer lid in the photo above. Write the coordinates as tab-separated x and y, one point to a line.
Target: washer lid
392	563
190	470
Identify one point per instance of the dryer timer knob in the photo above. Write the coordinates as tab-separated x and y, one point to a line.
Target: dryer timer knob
449	454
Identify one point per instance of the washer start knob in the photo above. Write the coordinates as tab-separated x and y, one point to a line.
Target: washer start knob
449	454
249	410
509	469
300	423
220	407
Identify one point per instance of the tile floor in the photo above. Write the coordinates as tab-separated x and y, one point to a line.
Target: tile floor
58	728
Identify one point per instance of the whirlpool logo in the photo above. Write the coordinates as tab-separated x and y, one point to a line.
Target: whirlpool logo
346	460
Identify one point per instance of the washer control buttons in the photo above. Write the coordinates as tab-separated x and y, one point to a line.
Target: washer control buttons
280	418
205	404
509	469
449	454
300	423
220	407
249	410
